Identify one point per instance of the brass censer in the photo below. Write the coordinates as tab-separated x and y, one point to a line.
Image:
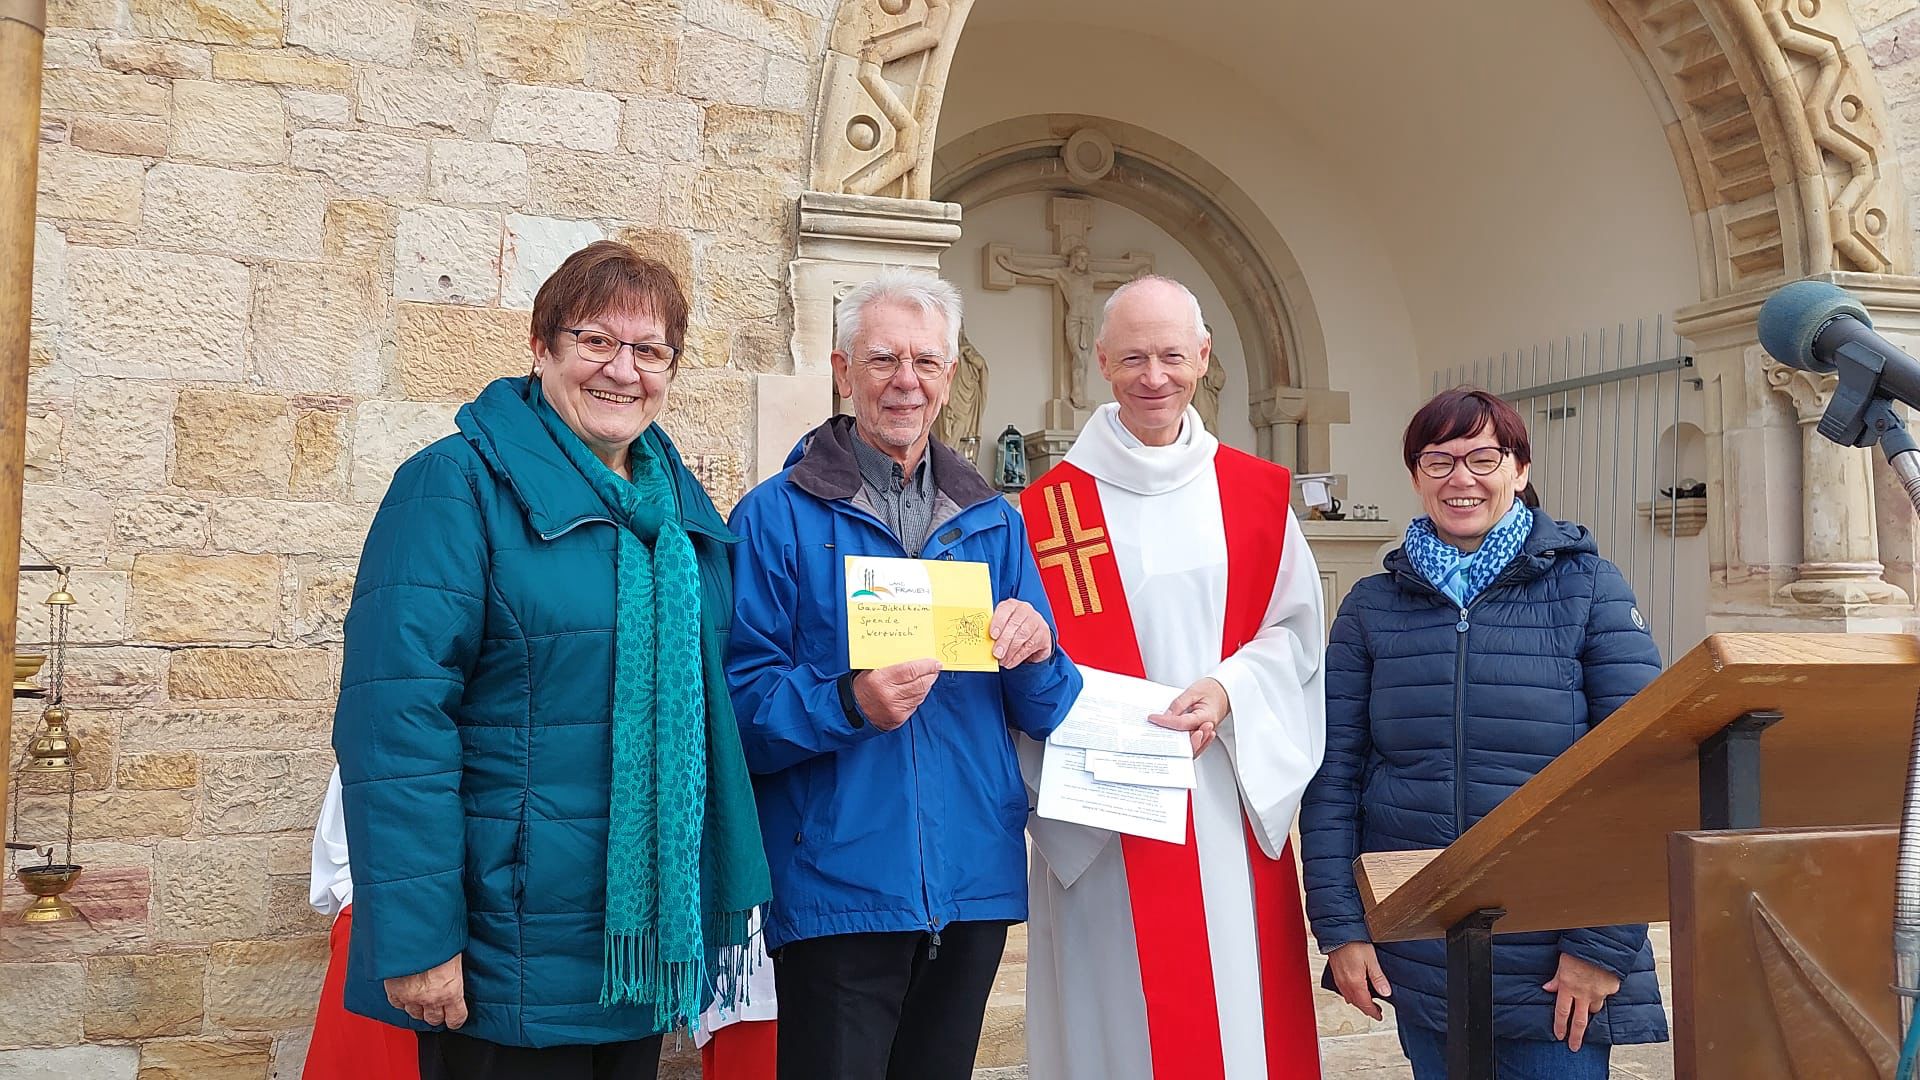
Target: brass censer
45	883
51	752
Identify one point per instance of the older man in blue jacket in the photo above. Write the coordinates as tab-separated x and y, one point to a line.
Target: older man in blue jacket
890	800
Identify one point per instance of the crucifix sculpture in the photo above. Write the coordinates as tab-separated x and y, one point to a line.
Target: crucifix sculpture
1077	278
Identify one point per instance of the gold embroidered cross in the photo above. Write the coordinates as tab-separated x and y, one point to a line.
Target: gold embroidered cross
1072	548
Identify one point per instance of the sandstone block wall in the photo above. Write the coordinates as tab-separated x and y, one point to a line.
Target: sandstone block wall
280	241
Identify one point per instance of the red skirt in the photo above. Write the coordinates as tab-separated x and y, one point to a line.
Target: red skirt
350	1047
740	1051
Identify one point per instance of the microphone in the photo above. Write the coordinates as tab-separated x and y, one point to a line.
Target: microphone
1819	327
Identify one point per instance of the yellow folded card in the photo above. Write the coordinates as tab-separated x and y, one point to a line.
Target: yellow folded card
919	609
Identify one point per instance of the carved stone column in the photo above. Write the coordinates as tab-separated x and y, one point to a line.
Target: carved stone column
844	241
1293	425
1840	557
1792	538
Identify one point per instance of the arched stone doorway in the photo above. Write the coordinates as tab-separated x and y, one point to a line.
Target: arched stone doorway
1782	147
1264	290
1776	122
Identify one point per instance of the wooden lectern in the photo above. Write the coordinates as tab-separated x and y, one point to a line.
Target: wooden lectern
1782	937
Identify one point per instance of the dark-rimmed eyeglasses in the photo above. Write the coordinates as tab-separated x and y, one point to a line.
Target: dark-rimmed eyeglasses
1438	464
882	366
600	347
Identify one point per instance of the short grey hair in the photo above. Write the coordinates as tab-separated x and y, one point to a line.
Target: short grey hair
898	285
1200	331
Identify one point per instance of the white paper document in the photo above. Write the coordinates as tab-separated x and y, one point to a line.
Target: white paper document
1111	714
1107	766
1112	768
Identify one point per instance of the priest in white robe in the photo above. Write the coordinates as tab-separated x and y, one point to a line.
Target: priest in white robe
1171	557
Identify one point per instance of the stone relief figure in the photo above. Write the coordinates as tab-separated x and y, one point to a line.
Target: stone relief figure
1079	282
910	117
959	423
1206	398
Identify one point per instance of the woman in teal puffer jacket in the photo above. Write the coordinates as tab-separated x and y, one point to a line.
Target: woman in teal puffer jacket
554	843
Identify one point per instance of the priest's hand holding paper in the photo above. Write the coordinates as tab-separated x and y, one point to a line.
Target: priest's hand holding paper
1020	635
888	696
1198	711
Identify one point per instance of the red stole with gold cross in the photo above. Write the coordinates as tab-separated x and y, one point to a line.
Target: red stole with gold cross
1074	551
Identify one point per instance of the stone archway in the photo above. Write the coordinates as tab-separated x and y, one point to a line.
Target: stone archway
1779	132
1780	137
1786	152
1774	116
1291	407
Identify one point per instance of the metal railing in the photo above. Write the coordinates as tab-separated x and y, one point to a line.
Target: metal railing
1614	419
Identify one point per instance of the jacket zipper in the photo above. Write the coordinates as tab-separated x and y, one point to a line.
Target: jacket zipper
1460	697
913	743
574	524
920	841
913	748
1460	725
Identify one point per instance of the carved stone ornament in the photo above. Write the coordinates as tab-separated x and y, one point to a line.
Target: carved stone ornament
1206	396
886	68
959	419
1789	76
1840	549
1809	391
1078	277
1088	155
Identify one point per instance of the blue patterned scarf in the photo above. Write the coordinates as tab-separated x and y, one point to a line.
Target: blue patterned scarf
1462	575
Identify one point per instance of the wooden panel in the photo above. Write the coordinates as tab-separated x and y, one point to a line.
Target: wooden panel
1381	872
1584	842
1782	955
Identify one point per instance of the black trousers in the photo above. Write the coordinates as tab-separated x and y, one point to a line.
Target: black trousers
449	1055
886	1006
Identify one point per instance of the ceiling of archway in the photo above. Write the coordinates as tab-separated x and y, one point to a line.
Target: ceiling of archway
1388	89
1503	142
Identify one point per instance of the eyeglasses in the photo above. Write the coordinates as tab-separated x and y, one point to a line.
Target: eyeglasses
596	347
882	366
1438	464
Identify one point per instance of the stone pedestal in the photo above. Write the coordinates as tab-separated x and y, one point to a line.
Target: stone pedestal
1345	552
845	240
1060	415
1046	448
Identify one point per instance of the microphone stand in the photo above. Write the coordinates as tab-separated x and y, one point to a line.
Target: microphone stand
1860	415
1904	456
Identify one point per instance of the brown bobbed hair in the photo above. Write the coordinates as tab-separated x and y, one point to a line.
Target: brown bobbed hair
609	276
1460	412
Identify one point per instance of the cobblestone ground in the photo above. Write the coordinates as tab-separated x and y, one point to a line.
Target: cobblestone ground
1351	1046
1377	1057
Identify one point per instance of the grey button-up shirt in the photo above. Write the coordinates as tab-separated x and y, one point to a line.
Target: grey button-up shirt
904	503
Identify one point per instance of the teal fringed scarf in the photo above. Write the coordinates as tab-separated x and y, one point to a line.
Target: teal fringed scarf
684	862
1461	576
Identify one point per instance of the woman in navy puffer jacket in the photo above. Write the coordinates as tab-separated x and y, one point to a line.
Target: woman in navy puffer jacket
1496	638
